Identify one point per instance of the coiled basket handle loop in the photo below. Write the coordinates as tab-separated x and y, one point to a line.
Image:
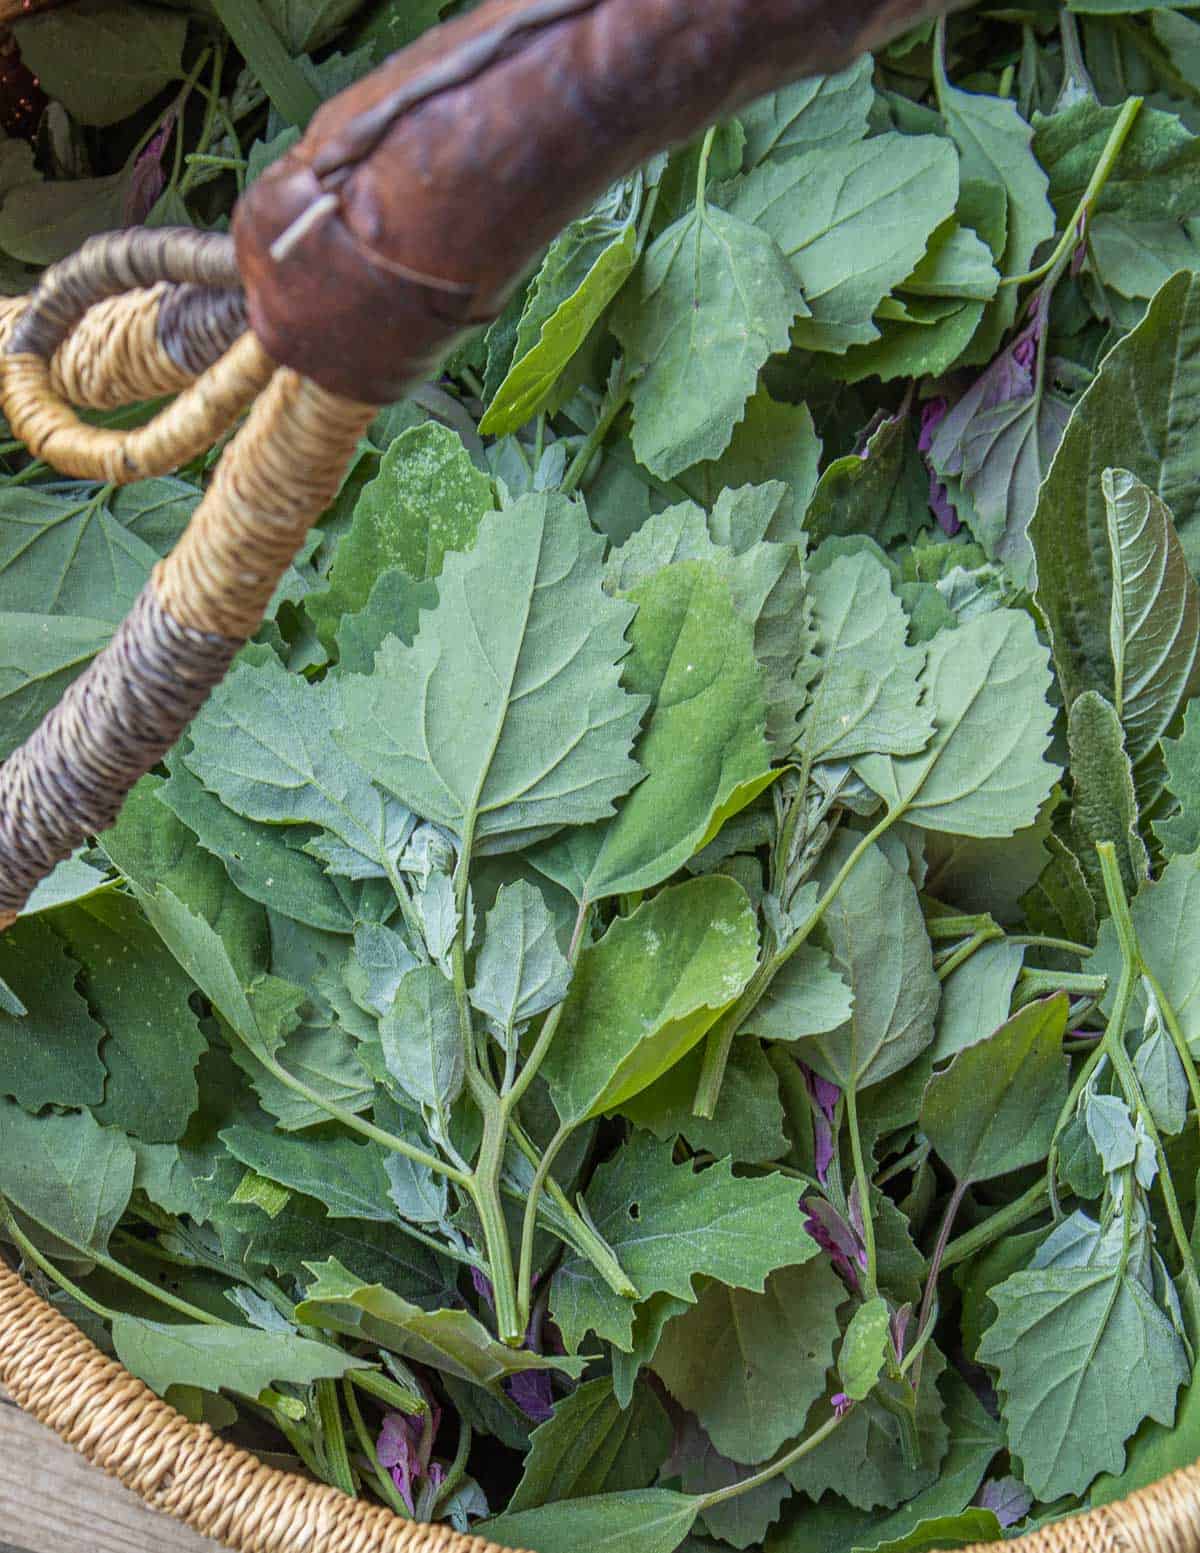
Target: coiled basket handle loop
125	711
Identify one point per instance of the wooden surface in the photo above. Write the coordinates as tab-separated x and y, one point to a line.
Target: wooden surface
51	1501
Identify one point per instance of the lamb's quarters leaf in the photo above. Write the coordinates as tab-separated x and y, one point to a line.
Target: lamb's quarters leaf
519	971
427	498
393	609
864	1348
1163	1080
581	274
849	222
984	773
156	510
866	694
976	997
449	1340
882	491
1155	620
1157	368
1179	831
1166	917
783	1339
1156	175
240	1359
820	111
374	1254
877	935
1083	1355
647	1520
525	638
995	1107
991	875
703	747
39	657
1060	904
348	1178
138	992
834	1527
647	992
71	880
67	1173
1103	803
41	223
994	146
957	264
48	1055
264	744
1154	1451
66	554
1135	258
748	1122
592	1445
423	1041
712	299
322	1055
669	1224
151	848
257	857
772	441
863	1460
106	60
1110	1128
807	997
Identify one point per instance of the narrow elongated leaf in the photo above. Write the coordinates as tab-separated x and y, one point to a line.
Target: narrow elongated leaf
1103	804
644	995
864	1348
229	1358
670	1224
524	637
1155	368
452	1341
784	1339
703	747
1155	621
713	299
984	774
995	1107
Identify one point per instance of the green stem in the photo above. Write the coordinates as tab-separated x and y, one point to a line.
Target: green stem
1175	1031
387	1490
1081	215
863	1181
261	47
964	951
333	1437
31	1254
384	1389
458	1467
614	402
529	1225
774	1468
1050	1182
485	1193
1000	1223
512	1096
1039	941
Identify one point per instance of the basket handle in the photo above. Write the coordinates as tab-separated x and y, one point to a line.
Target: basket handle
407	212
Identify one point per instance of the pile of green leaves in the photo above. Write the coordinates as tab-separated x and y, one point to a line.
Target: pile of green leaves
658	1005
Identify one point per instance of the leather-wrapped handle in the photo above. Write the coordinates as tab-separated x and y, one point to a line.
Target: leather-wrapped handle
418	198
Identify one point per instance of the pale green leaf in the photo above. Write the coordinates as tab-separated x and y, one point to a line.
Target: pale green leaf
703	746
524	637
66	554
348	1178
423	1040
807	997
1156	175
1166	918
48	1053
976	997
824	110
864	1348
669	1224
984	774
1179	831
520	971
851	224
39	657
713	299
772	441
648	1520
994	1109
647	992
1103	801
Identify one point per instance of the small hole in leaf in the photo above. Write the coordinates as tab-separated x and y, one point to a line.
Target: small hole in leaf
635	1210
